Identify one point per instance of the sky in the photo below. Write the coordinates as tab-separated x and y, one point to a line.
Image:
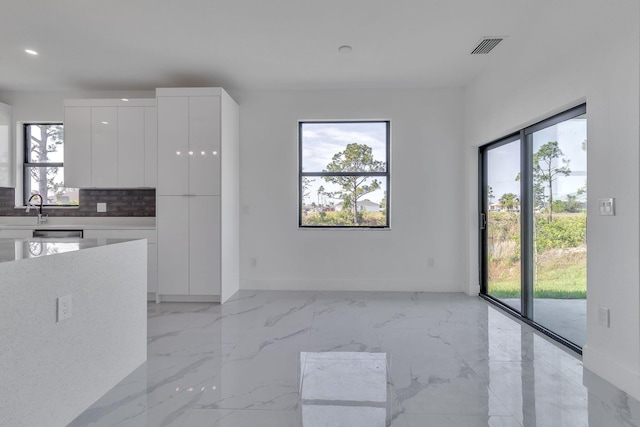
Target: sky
320	141
504	162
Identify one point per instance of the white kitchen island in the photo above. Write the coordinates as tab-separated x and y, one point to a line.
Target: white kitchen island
51	370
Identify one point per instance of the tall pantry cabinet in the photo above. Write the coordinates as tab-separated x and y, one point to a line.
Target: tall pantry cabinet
197	210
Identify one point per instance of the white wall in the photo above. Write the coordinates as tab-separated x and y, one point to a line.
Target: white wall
596	57
427	181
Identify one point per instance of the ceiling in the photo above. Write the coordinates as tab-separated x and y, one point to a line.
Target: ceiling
254	44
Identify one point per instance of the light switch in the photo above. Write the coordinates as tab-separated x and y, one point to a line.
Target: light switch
606	206
102	207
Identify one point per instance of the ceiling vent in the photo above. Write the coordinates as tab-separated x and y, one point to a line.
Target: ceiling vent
486	45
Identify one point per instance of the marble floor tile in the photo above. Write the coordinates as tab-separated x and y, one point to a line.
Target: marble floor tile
358	359
344	376
236	418
343	416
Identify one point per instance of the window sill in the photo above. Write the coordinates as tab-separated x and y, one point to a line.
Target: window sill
48	207
347	228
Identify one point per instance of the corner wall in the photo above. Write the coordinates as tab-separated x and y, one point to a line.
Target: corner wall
596	58
425	201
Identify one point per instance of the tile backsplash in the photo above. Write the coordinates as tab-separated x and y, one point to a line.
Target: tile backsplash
134	202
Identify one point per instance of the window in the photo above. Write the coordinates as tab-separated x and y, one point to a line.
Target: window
344	174
43	165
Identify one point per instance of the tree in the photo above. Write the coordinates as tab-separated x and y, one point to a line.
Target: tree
546	170
306	183
40	146
320	194
509	201
490	195
355	158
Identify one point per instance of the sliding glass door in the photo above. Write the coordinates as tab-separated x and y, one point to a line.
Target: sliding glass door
533	221
502	221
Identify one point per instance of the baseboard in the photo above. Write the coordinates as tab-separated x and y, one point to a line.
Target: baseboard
351	285
622	377
187	298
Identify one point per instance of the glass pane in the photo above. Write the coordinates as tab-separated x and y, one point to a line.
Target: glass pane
560	228
44	143
344	147
503	223
329	201
49	181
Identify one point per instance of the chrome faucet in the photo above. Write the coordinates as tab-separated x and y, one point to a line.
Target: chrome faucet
41	219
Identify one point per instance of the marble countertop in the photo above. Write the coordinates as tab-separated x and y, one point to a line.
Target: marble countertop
16	249
84	223
77	226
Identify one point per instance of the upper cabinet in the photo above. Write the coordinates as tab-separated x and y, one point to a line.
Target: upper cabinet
110	143
6	141
188	143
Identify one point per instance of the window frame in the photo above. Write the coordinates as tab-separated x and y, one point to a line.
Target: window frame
319	174
26	165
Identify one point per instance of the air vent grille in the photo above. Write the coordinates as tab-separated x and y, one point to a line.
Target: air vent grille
486	45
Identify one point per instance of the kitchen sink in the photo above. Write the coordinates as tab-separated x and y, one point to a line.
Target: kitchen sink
60	234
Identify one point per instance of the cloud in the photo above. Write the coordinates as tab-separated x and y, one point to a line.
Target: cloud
321	141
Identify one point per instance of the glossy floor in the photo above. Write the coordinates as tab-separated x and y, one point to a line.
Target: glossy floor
307	359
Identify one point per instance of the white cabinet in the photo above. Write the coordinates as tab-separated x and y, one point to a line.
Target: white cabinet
197	146
104	147
6	144
172	221
189	145
16	233
173	146
134	233
204	245
77	146
110	143
189	250
131	146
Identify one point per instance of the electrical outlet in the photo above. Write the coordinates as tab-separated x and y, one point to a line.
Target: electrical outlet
64	307
603	316
607	207
102	207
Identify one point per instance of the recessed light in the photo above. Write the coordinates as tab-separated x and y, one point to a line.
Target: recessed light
125	99
345	49
31	51
105	123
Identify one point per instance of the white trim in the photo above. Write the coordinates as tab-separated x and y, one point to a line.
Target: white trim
609	369
190	91
187	298
133	102
383	285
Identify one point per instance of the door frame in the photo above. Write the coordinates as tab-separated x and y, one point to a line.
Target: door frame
525	135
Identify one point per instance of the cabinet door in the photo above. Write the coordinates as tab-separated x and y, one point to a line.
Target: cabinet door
172	222
131	146
150	147
6	142
173	146
204	245
152	268
104	147
204	145
16	233
77	147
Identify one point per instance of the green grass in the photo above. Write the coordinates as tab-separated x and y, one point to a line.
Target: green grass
557	278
